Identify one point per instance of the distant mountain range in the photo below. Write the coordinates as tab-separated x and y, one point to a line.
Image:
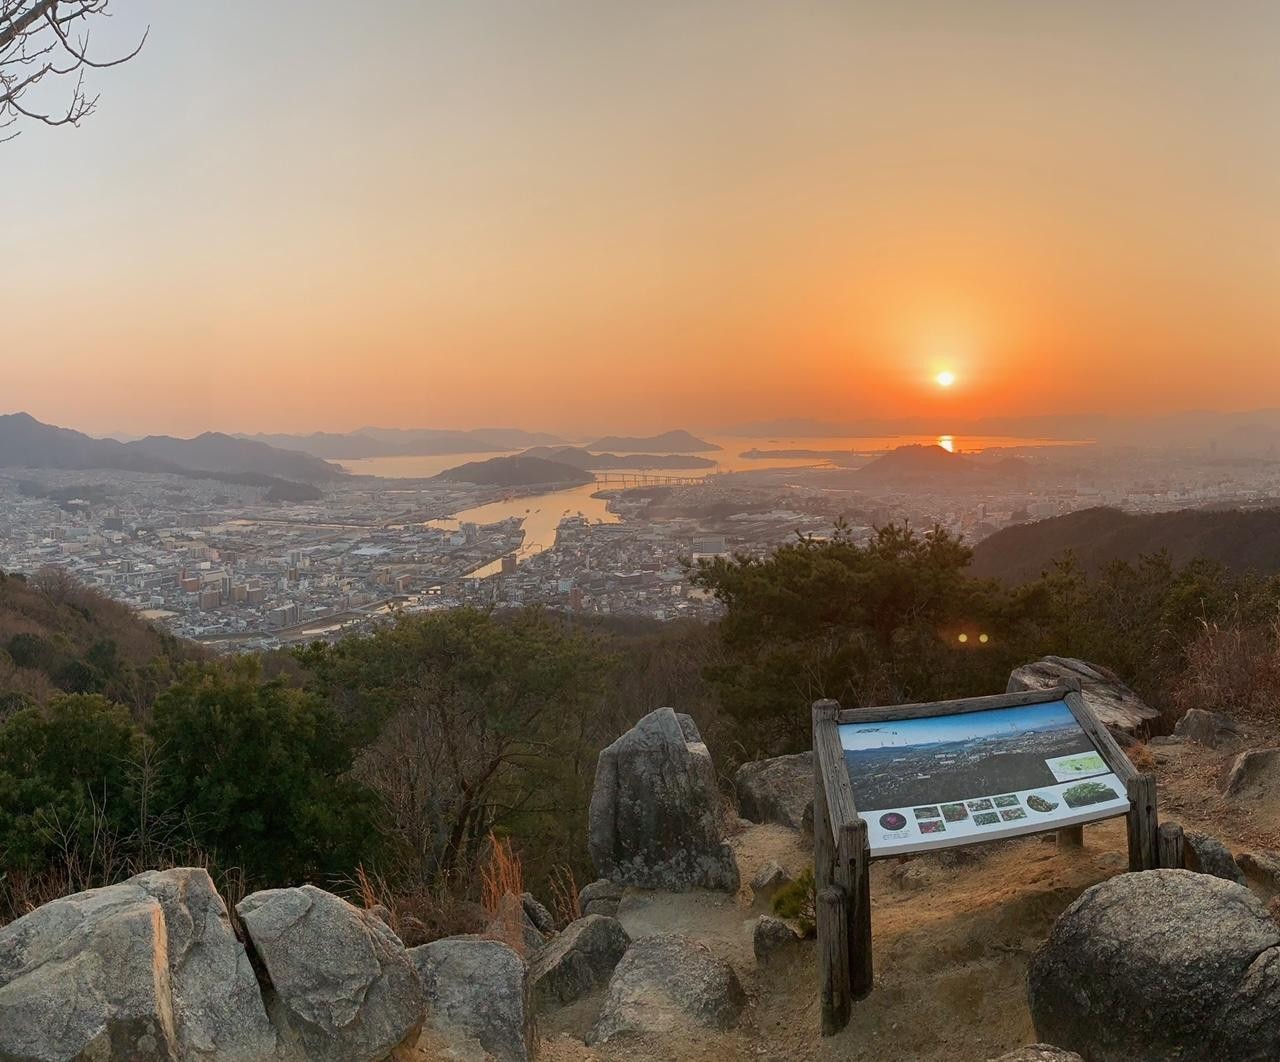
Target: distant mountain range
407	442
1244	540
518	471
27	443
585	459
669	442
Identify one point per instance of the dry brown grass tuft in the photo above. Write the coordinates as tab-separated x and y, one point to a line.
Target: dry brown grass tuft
564	895
501	886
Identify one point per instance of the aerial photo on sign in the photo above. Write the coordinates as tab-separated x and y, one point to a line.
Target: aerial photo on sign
956	779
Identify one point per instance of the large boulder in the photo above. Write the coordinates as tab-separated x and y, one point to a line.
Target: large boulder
341	986
477	997
577	961
669	984
217	1004
1207	728
655	818
1039	1053
778	790
149	968
543	920
1114	703
1161	964
85	977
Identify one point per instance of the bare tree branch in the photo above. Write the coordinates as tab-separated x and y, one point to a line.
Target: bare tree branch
37	47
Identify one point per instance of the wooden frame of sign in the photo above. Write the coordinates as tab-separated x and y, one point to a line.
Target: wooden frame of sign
842	853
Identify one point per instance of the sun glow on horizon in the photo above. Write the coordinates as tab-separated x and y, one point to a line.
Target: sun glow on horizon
945	378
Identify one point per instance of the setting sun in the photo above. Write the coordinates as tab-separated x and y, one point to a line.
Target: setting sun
945	379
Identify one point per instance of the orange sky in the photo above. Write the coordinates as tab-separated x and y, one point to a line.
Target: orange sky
583	216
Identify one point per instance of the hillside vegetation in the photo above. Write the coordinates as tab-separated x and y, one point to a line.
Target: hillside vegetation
389	762
1242	540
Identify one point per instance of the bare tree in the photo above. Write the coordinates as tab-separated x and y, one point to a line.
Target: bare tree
42	41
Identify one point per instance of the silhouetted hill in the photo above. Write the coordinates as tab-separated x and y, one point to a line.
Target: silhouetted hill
517	471
1243	540
935	467
215	452
669	442
27	443
585	459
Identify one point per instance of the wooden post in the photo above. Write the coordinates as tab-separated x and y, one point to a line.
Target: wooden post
833	958
1144	848
1172	846
1071	837
855	862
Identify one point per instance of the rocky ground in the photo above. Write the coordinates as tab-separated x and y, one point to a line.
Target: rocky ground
954	932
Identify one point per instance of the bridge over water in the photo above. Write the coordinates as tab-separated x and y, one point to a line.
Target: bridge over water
647	479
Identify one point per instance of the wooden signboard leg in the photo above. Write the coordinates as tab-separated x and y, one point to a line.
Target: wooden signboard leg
1172	845
833	958
855	862
1143	842
1071	837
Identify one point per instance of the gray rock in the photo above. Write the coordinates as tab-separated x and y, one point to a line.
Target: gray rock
1039	1053
655	818
84	977
1263	867
1161	964
477	996
600	897
217	1005
342	988
771	937
1207	728
1254	772
669	984
543	920
149	968
577	961
1208	855
779	790
1114	703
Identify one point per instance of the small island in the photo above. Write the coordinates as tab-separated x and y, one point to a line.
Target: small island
518	471
669	442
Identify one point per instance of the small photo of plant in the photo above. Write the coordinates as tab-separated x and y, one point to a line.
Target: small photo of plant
933	826
980	805
986	818
1010	801
926	813
954	812
1040	802
1009	814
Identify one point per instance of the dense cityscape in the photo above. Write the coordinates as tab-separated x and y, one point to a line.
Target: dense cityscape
225	564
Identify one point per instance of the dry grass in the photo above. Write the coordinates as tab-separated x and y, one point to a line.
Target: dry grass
501	886
564	895
1141	756
1233	669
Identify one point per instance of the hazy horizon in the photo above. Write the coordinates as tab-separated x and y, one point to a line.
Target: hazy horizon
580	217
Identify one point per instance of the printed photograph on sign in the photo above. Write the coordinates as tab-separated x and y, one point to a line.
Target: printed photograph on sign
945	779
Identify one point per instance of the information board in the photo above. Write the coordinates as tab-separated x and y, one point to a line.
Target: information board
942	780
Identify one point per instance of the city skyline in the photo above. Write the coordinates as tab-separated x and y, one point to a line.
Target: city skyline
577	216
